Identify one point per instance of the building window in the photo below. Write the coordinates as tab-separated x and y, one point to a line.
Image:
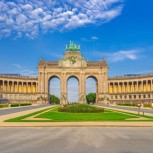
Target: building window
115	97
144	96
148	95
111	97
134	96
130	97
139	96
120	97
125	97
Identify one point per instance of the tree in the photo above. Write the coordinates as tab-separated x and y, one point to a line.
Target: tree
91	98
54	99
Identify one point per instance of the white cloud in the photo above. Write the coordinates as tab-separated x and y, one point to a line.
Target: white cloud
31	17
24	70
94	38
121	55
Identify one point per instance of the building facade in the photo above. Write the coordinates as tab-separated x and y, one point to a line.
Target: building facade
134	88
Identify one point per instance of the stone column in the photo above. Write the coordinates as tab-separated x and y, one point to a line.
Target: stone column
8	86
82	88
26	87
137	86
22	87
17	87
13	86
142	86
151	86
132	86
63	87
147	86
123	87
3	85
31	89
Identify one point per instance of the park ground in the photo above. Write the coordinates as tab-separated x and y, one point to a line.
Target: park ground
76	140
73	137
47	116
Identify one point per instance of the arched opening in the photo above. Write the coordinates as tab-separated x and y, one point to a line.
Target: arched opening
54	90
72	89
91	89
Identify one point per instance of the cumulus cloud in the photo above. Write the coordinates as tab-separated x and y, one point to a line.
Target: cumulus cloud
25	71
121	55
31	17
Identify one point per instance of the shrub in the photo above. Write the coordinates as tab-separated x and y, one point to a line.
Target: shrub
4	105
91	98
147	105
14	105
54	99
25	104
80	108
126	104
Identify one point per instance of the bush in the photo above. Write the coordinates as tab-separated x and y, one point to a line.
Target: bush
126	104
54	99
14	105
80	108
4	105
25	104
147	105
91	98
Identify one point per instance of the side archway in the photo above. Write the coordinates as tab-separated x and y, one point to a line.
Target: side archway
91	89
54	92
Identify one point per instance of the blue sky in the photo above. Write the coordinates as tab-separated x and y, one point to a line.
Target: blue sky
120	30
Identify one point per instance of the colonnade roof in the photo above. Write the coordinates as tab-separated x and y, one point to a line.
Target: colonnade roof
19	77
126	77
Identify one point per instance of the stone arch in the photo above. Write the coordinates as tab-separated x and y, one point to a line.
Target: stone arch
50	77
96	80
67	79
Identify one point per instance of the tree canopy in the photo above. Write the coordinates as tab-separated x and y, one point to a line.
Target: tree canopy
54	99
91	98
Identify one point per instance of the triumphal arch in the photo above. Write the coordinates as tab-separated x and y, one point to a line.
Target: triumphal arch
73	64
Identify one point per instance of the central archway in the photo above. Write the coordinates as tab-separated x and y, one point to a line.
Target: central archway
72	89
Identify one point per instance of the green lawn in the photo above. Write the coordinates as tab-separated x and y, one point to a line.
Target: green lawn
55	116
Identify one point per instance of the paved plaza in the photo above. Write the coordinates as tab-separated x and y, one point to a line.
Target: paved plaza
20	109
76	140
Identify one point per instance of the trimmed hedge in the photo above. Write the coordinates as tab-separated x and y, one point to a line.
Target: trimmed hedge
80	108
124	104
20	104
25	104
147	105
4	105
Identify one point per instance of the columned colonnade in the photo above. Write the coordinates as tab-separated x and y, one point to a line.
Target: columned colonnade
131	86
18	86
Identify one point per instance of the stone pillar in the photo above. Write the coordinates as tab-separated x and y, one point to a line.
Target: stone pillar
31	89
63	84
82	88
22	87
137	86
151	86
17	84
26	87
8	90
37	87
132	86
13	86
142	87
3	83
146	85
